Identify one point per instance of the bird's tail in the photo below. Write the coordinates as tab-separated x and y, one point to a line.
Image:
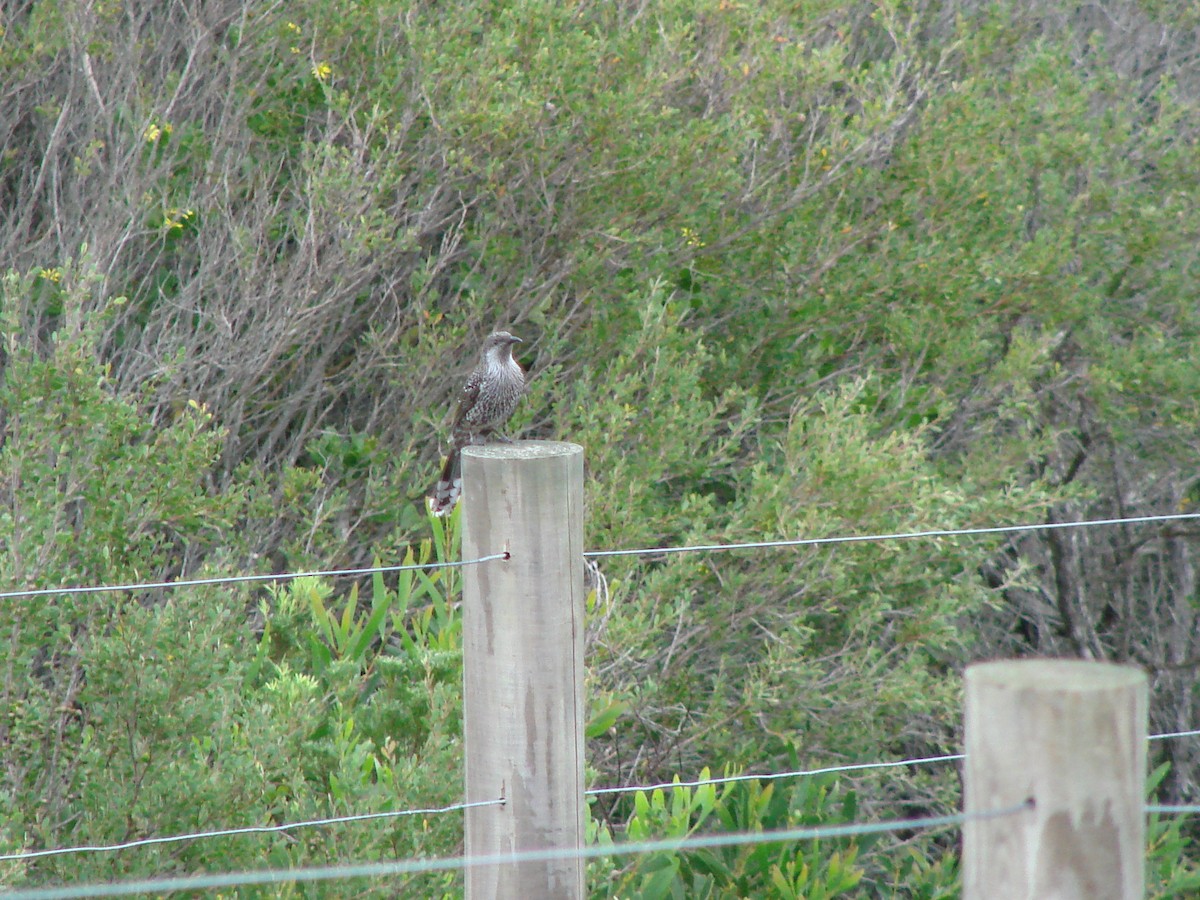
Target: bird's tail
446	492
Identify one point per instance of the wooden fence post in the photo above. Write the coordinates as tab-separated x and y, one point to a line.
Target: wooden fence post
1071	736
523	666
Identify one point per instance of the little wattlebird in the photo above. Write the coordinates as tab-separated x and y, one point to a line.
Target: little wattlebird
485	404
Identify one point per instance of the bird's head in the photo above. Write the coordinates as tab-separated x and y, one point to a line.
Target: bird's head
499	344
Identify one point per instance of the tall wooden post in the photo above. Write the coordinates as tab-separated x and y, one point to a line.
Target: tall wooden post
1070	736
523	666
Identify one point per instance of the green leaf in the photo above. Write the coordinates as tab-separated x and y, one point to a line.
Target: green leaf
604	719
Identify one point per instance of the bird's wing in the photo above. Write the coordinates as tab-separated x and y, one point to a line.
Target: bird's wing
466	399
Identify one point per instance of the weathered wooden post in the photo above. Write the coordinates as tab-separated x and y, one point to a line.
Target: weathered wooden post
523	666
1070	736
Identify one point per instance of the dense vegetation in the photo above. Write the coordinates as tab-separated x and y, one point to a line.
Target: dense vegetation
784	269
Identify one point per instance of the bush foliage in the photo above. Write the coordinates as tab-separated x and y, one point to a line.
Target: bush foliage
784	269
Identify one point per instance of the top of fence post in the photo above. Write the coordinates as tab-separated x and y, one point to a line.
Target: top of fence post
1069	736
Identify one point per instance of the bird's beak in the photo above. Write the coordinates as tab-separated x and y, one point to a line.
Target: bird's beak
516	340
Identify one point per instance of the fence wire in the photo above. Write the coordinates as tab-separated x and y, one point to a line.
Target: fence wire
242	579
592	792
425	866
891	536
246	829
600	554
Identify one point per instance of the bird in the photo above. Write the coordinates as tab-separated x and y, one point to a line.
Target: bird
485	404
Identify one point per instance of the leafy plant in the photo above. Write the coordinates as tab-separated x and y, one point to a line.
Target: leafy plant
787	869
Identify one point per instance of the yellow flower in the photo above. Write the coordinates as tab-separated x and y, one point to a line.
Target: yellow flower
322	71
153	132
174	219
